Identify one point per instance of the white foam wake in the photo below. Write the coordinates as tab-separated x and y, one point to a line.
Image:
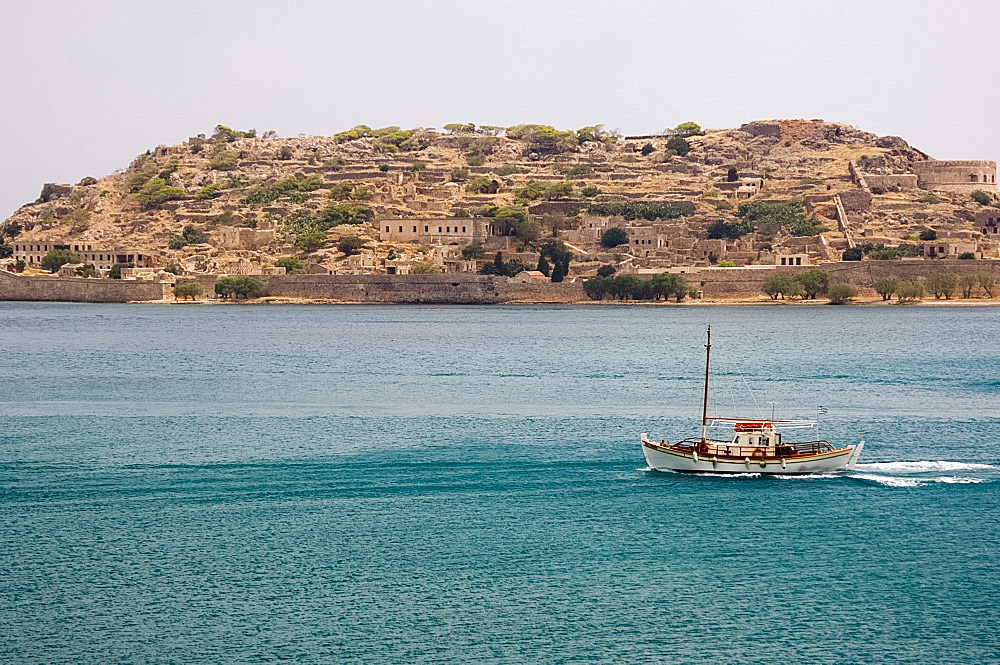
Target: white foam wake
923	466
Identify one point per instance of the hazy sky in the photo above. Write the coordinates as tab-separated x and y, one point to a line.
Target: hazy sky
88	85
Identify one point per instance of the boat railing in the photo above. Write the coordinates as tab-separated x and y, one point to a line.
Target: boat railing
729	449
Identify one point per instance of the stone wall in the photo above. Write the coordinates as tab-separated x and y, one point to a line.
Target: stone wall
896	182
78	289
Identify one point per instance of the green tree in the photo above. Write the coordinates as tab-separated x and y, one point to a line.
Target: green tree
941	284
417	166
543	265
57	258
647	149
188	290
814	282
907	292
473	251
527	230
310	241
156	191
293	265
459	174
691	128
86	270
928	234
558	273
506	170
20	265
732	175
614	237
606	270
480	186
559	190
6	250
981	197
732	230
781	284
596	288
851	254
840	293
590	192
240	286
967	282
986	281
967	256
116	270
350	245
886	287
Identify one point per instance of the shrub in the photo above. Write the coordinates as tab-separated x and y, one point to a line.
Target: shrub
967	256
474	160
350	245
647	149
241	286
814	282
116	270
614	237
559	190
723	205
86	270
679	146
157	191
732	175
499	267
928	234
590	192
57	258
782	285
907	292
6	250
507	169
543	265
981	197
459	174
527	230
648	210
425	268
293	265
210	192
310	240
941	284
606	270
852	254
580	171
726	264
480	186
929	198
189	290
768	217
546	139
418	166
223	160
189	236
840	293
731	230
886	287
473	251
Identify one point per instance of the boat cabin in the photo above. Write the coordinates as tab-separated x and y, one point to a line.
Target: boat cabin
756	434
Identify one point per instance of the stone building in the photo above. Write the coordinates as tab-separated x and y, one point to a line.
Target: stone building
437	231
959	176
236	237
988	223
950	248
32	253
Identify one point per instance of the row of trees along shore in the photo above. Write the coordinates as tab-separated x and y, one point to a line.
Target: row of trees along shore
813	283
630	287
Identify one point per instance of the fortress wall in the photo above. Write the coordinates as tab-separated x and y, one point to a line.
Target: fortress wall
899	182
78	289
736	282
956	175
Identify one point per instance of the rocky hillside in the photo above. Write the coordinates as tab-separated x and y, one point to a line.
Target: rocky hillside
304	195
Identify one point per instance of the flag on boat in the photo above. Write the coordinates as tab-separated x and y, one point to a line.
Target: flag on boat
820	410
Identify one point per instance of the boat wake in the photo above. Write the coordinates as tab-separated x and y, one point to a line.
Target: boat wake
926	472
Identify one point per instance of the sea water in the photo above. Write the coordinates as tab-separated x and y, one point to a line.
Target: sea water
465	484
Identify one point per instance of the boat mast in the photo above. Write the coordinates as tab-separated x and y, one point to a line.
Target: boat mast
704	404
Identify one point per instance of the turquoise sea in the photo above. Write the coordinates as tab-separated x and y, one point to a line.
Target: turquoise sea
248	484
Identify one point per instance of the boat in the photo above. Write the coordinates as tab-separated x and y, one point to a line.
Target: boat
756	446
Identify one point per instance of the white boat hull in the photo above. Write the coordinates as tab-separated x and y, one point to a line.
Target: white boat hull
661	458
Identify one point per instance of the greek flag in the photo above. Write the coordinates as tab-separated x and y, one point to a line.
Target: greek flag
820	410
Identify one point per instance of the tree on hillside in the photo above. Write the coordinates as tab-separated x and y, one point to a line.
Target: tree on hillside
614	237
350	245
293	265
679	145
606	270
188	291
782	285
57	258
543	265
